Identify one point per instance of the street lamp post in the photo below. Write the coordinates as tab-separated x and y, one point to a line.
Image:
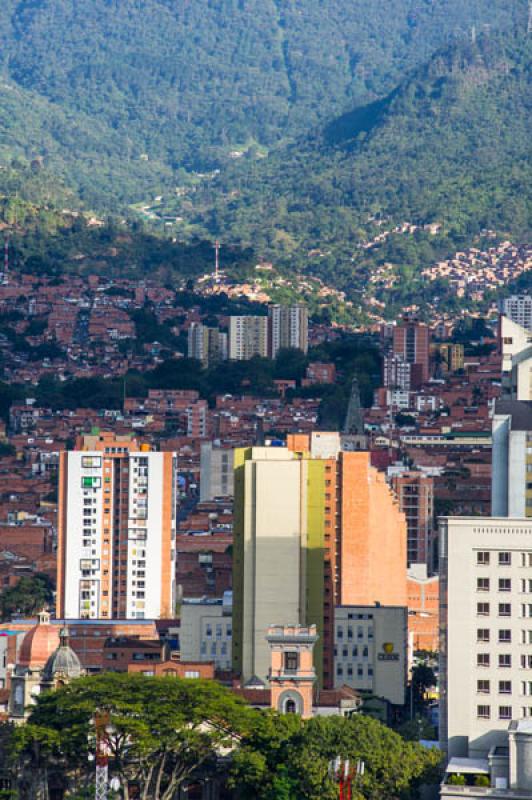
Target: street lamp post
345	774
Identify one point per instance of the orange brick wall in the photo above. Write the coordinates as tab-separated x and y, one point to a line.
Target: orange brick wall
373	536
423	613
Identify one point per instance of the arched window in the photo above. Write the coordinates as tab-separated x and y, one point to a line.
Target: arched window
290	706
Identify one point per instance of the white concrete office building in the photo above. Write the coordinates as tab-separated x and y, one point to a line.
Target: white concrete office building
486	631
370	650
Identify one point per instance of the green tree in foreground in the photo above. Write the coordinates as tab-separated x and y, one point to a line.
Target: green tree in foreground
288	758
161	731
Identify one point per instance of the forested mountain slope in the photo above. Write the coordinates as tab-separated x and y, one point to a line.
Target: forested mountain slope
450	146
124	91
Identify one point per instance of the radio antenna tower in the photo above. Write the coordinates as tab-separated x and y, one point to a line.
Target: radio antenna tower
529	24
6	259
217	261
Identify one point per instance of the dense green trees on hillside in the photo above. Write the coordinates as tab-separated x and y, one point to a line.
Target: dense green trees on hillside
451	145
118	95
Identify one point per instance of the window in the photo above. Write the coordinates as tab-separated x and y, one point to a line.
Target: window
505	559
291	661
505	687
483	609
483	687
505	610
505	712
505	660
483	584
483	558
483	712
91	483
483	659
505	635
91	461
483	635
191	673
526	662
505	585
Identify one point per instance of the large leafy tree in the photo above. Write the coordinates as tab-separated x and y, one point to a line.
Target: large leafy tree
159	731
289	758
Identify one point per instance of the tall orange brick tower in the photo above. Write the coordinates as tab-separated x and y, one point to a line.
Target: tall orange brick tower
292	674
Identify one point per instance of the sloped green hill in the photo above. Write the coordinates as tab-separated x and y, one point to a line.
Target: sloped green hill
124	92
451	145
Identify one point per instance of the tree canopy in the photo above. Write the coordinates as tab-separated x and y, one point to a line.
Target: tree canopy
163	732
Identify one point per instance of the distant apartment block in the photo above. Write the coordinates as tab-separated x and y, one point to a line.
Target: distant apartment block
288	327
397	373
318	372
518	308
447	357
248	337
411	341
216	472
208	345
415	493
116	530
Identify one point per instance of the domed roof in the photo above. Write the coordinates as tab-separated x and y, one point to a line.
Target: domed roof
63	662
39	643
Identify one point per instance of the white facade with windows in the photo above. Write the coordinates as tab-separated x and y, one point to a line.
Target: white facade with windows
370	650
518	308
119	535
486	631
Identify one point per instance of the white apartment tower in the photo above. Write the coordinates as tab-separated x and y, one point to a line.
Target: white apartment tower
248	337
486	631
518	308
288	327
116	530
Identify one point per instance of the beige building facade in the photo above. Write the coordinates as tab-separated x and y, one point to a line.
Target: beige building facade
486	631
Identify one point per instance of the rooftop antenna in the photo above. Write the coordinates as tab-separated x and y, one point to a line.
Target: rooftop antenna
217	261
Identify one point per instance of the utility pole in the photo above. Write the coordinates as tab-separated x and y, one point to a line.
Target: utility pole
217	261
